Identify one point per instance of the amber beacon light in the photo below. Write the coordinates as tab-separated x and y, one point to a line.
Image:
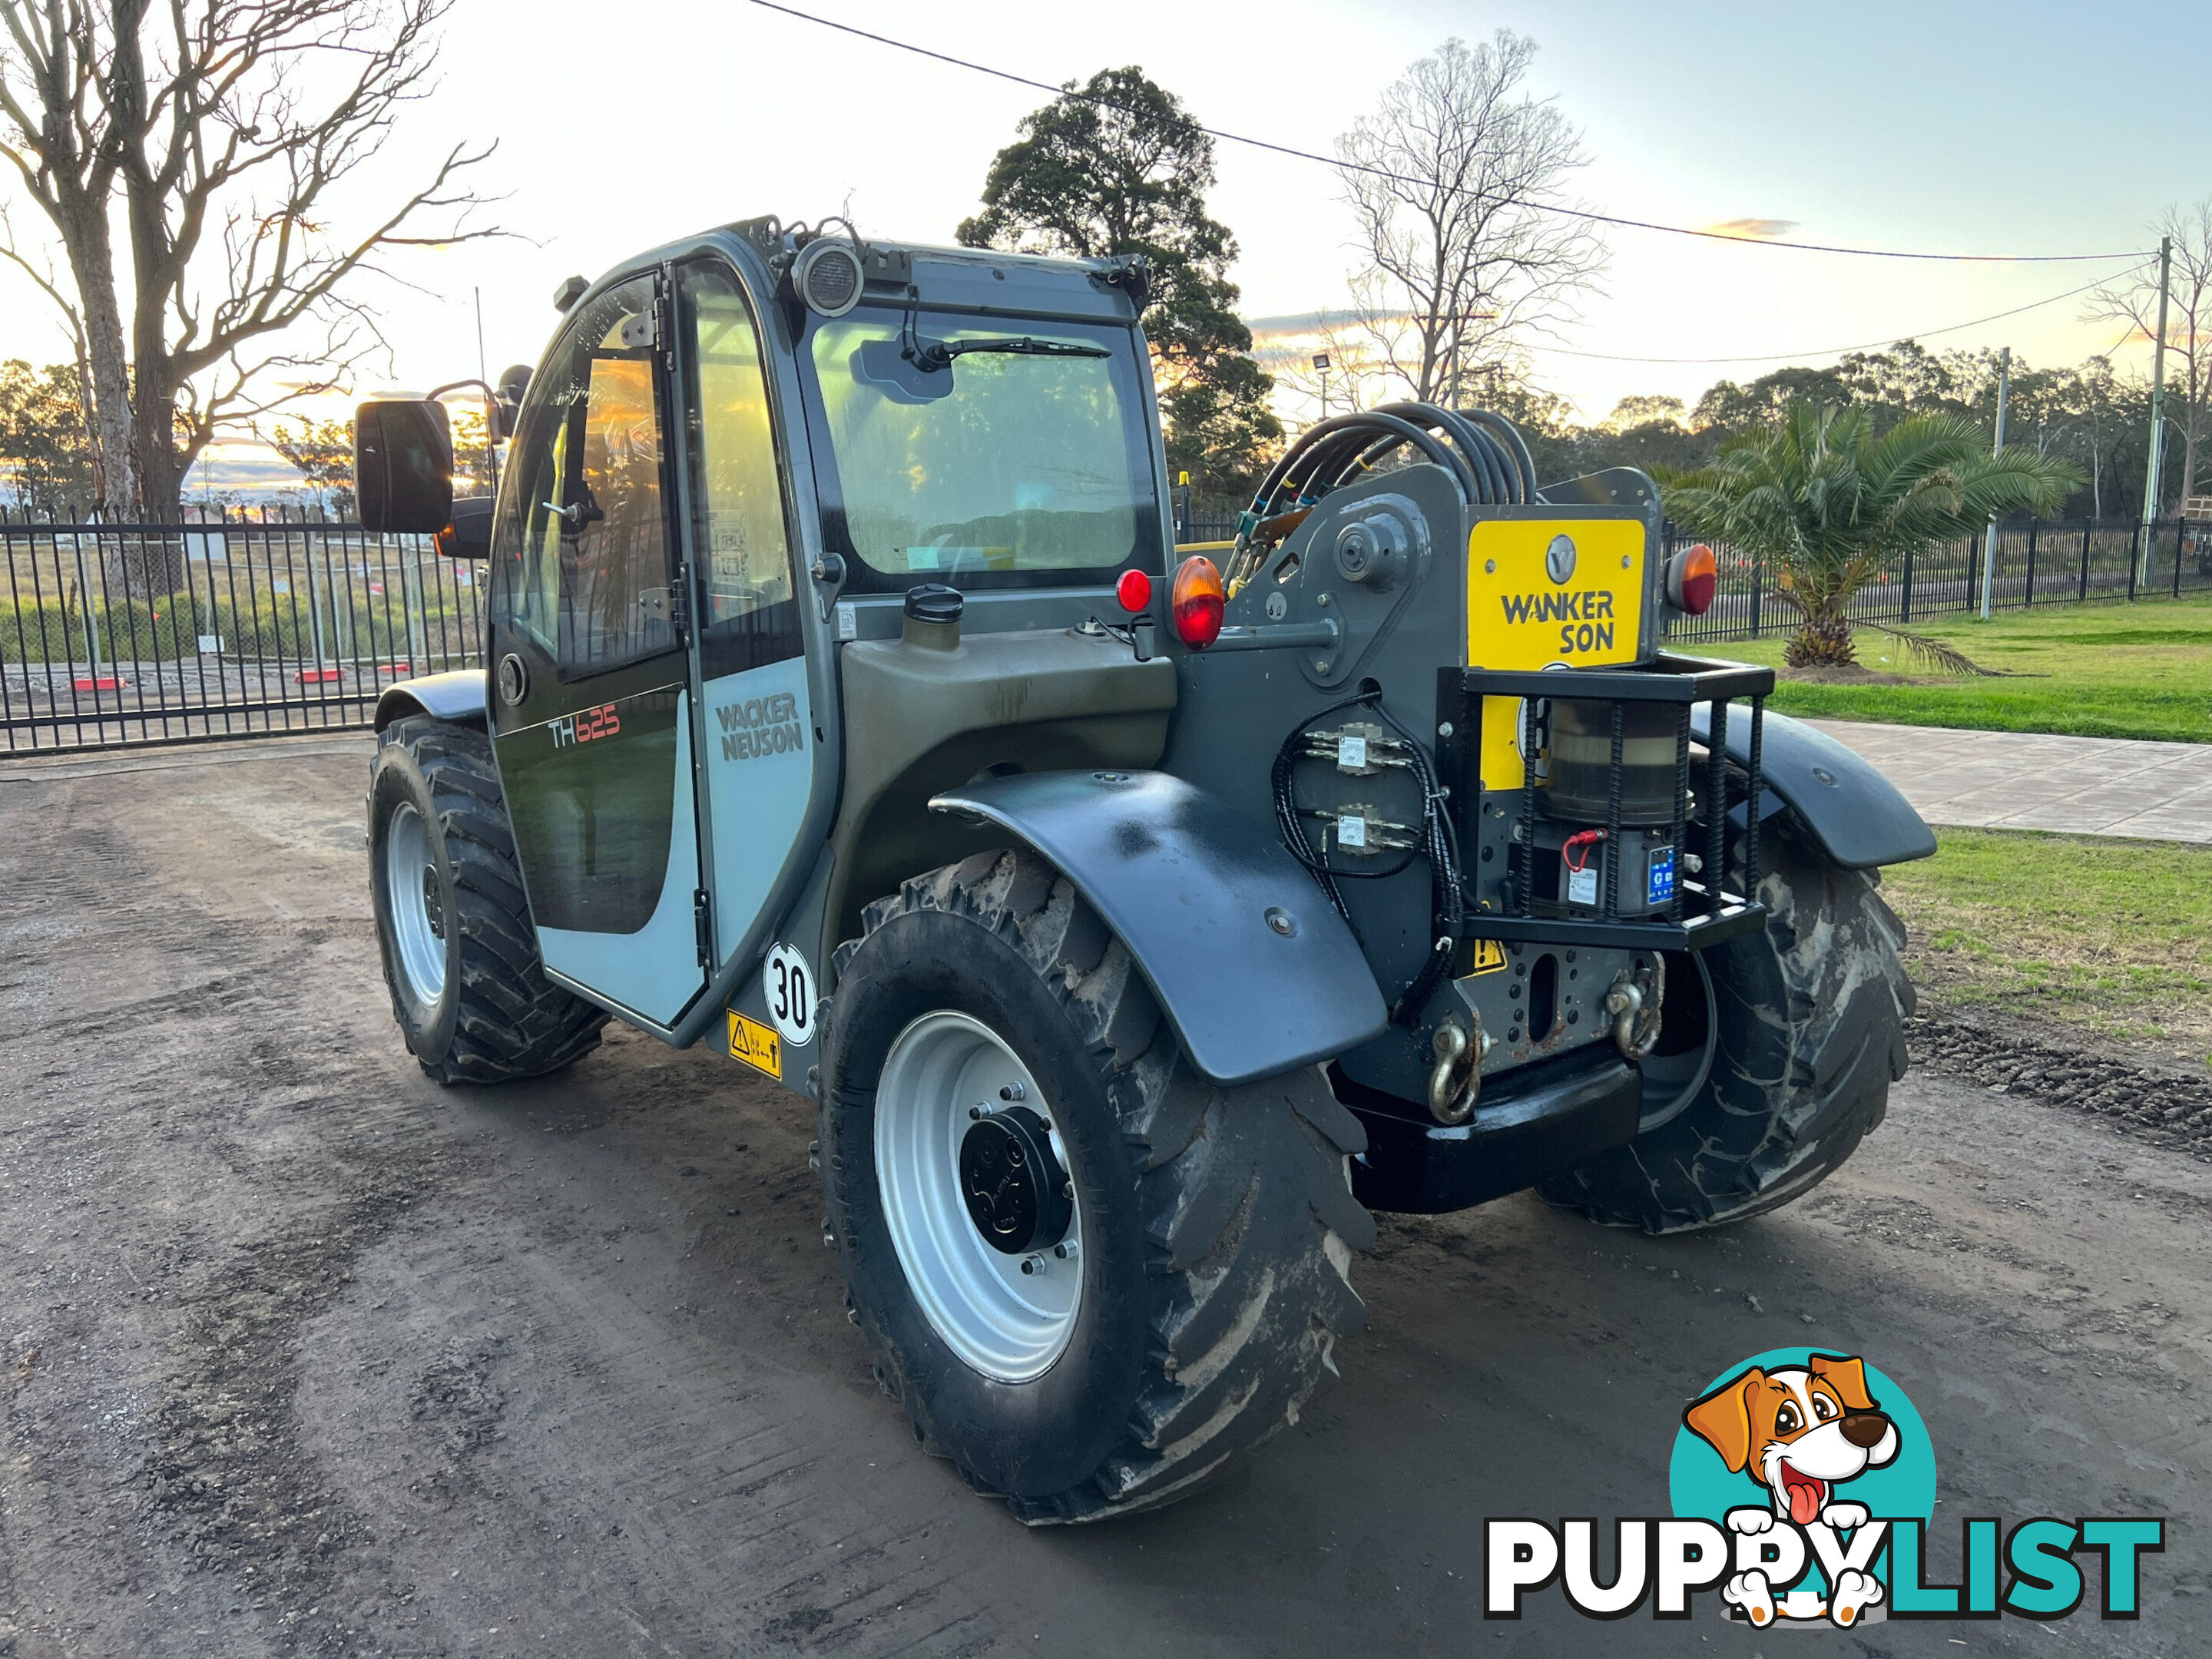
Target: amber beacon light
1692	576
1196	602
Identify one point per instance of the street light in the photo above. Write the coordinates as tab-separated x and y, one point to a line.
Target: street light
1321	362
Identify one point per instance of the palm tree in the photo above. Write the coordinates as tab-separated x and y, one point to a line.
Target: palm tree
1827	503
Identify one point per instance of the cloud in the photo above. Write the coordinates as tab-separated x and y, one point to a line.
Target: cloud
1756	230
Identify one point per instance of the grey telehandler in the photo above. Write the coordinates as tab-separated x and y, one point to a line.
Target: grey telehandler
1136	919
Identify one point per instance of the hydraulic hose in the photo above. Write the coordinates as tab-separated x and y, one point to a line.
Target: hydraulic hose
1329	454
1486	456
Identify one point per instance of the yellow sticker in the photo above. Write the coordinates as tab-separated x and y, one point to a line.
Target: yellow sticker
758	1046
1525	609
1489	958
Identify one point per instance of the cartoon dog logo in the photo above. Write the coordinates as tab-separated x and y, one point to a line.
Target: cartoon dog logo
1800	1431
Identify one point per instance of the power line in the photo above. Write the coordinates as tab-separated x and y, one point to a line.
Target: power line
1425	183
1837	351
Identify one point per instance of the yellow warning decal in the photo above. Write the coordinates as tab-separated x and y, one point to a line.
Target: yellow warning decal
759	1047
1489	958
1547	593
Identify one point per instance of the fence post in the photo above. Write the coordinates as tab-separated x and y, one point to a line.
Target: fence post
1758	583
2134	554
2083	597
341	614
84	599
2177	557
1905	602
315	599
2033	524
411	582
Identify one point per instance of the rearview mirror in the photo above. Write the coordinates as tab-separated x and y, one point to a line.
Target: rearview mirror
403	466
884	365
469	535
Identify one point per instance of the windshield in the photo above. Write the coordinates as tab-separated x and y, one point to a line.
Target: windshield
1024	452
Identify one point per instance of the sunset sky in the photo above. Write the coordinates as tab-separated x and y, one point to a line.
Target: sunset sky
1984	129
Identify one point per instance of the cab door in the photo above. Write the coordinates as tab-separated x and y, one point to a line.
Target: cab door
757	719
590	713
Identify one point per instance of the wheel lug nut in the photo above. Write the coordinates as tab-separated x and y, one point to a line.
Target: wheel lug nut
1033	1263
1013	1092
1065	1249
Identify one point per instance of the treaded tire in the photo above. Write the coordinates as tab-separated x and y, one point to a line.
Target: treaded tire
1811	1016
497	1017
1218	1224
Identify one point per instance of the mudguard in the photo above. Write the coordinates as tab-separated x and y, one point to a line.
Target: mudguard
1857	815
458	695
1257	973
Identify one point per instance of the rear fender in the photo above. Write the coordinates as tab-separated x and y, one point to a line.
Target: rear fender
1856	814
1255	970
460	696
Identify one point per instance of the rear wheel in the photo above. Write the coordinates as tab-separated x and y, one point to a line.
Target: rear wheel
1092	1277
1809	1033
460	953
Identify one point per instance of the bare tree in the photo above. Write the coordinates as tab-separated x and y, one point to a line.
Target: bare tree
216	132
1449	183
2134	298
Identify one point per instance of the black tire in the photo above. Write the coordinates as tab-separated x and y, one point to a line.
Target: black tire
495	1017
1218	1224
1811	1016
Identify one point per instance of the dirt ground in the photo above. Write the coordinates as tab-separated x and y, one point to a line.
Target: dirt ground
300	1353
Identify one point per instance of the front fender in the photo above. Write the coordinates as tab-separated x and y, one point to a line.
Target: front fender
459	696
1857	815
1257	971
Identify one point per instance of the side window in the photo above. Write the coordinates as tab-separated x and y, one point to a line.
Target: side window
583	551
749	614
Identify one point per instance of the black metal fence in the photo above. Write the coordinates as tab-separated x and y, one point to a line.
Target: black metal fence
2038	562
272	621
232	626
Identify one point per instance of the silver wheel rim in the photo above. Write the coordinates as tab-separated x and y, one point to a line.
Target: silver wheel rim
1009	1325
418	936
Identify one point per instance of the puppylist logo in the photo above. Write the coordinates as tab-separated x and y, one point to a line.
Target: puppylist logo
1803	1485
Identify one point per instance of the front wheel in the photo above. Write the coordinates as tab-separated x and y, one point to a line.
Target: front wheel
1092	1277
460	953
1810	1016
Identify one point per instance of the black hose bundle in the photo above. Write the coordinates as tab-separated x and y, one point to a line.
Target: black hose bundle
1483	452
1439	844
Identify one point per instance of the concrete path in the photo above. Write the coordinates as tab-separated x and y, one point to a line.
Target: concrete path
2032	781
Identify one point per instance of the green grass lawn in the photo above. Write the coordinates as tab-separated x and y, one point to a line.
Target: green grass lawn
2113	937
2100	671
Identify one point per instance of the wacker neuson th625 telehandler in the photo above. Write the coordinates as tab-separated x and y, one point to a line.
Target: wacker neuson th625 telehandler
1135	919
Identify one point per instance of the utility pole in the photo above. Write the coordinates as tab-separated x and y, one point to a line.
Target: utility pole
1459	348
2151	480
1321	366
1989	536
491	414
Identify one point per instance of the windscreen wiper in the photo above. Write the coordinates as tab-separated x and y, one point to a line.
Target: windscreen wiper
940	354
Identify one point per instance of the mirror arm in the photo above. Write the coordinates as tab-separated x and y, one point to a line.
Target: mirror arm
499	414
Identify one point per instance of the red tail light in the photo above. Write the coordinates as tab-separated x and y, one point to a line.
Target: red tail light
1692	575
1133	593
1196	602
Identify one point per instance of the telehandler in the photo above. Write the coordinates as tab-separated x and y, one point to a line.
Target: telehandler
1135	919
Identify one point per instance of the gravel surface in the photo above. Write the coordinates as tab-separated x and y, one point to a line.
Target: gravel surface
301	1354
2163	1106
